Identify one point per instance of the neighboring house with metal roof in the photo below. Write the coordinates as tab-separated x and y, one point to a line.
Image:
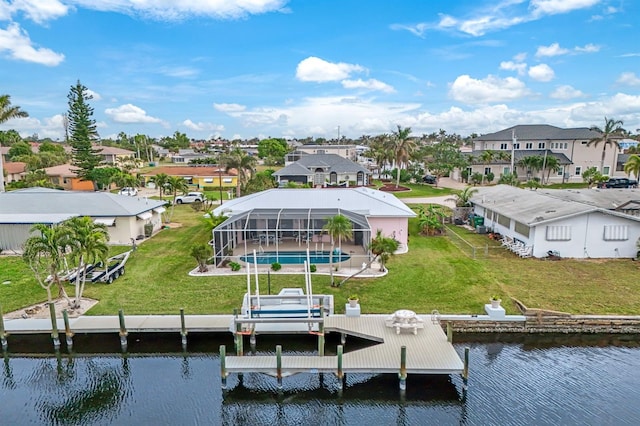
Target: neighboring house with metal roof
324	169
569	146
124	216
304	212
575	223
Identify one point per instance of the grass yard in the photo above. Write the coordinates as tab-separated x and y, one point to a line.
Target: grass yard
435	274
418	190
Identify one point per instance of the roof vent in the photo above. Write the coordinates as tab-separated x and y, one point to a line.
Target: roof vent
550	211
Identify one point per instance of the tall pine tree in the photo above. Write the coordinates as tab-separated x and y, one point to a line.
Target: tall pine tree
82	132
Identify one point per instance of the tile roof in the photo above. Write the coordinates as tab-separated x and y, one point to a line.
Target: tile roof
539	132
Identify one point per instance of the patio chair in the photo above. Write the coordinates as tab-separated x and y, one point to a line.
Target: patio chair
527	251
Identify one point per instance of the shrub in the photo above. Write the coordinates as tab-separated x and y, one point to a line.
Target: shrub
235	266
313	268
275	266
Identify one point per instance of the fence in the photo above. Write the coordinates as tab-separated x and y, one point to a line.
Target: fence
471	250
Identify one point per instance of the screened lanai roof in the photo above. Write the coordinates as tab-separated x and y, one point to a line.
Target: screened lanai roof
286	213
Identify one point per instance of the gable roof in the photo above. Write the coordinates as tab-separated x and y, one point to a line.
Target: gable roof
539	132
365	201
535	207
14	167
307	164
44	201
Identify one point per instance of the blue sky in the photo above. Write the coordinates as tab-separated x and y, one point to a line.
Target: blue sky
300	68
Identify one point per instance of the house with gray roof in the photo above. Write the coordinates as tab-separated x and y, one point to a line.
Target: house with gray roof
324	170
567	146
124	216
583	223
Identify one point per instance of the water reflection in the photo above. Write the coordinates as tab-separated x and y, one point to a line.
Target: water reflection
556	382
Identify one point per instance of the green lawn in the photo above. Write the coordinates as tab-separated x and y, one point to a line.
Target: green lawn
418	190
435	274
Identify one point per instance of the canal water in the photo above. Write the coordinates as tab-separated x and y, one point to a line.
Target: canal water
532	380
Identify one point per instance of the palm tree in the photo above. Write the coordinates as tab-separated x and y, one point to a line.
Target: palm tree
531	163
402	148
160	180
88	246
462	197
551	163
7	112
383	248
244	164
338	227
632	166
176	184
45	255
486	157
612	131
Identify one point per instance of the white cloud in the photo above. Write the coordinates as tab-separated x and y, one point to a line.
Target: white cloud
17	43
371	84
96	96
318	70
171	10
554	7
179	72
587	48
565	92
36	10
542	72
200	126
129	113
229	108
519	67
629	79
489	90
553	49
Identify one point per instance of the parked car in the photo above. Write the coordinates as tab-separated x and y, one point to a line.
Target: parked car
430	179
619	183
190	197
132	192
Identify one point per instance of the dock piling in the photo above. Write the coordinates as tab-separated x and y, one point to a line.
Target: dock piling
321	331
239	339
449	332
183	329
67	330
54	326
3	333
343	339
465	371
123	331
279	365
403	368
340	372
223	366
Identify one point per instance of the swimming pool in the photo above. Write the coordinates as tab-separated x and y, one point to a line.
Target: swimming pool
294	257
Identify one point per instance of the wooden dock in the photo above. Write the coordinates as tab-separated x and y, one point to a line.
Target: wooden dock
428	352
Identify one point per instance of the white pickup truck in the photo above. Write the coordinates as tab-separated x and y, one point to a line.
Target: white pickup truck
190	197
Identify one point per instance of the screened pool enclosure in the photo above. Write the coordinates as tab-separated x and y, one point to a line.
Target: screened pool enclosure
283	230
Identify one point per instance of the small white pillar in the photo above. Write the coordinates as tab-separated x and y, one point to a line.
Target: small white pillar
494	313
352	312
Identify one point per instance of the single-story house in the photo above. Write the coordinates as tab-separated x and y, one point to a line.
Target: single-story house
324	169
65	177
124	216
15	171
198	176
583	223
303	212
112	155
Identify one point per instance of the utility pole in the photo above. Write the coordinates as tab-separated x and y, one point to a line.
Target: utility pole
513	149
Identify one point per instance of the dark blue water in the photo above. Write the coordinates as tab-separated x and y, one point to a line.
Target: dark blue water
295	257
519	383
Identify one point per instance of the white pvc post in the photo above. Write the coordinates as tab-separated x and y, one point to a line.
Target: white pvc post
255	266
249	287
